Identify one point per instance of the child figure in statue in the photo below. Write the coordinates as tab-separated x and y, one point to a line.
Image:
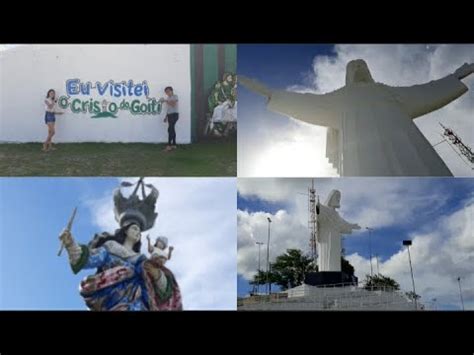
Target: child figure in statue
158	250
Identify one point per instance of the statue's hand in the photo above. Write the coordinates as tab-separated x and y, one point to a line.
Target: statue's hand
66	238
355	226
255	85
464	70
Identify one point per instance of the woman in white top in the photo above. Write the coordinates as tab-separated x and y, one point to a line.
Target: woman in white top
172	116
50	119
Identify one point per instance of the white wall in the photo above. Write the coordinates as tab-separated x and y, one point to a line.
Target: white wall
27	72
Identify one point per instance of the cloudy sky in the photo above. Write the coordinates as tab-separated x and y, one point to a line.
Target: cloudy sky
274	145
196	214
436	213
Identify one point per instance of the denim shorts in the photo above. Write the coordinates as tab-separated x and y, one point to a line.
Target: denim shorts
49	117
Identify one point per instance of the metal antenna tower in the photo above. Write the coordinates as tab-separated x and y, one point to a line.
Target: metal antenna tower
313	222
461	149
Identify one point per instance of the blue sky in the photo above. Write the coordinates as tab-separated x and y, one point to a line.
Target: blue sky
272	145
33	211
433	212
265	62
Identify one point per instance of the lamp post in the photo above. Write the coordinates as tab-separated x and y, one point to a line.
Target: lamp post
408	243
258	270
377	260
370	251
268	256
460	293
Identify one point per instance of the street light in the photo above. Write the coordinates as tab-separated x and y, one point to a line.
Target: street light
370	251
268	256
460	293
377	260
408	243
258	284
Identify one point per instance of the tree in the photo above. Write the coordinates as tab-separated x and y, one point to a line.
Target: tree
347	267
380	281
412	295
290	269
262	277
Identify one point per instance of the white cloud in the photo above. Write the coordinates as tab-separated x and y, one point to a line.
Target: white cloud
443	246
386	202
285	232
303	148
286	155
439	256
198	217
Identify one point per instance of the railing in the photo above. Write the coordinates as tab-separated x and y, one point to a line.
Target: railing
340	296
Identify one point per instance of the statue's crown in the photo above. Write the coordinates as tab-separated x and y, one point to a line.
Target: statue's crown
132	209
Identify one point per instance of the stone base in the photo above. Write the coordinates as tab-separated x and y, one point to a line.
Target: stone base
329	278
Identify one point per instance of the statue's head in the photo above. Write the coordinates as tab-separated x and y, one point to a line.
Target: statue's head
161	242
132	232
334	199
129	231
357	71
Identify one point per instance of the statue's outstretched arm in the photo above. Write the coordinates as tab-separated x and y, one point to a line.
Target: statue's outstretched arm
78	254
419	100
464	71
81	256
255	85
316	109
347	227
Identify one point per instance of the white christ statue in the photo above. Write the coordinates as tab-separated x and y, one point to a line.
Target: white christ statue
370	125
330	228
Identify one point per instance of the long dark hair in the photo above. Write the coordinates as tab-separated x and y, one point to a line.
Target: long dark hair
120	236
47	95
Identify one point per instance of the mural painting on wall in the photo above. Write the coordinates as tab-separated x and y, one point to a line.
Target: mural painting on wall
135	98
222	103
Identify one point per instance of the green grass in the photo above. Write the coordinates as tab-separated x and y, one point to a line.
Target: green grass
119	159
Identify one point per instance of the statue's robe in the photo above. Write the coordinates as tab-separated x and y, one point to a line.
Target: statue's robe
124	282
370	125
330	228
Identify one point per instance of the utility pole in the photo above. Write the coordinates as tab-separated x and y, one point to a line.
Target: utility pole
370	251
408	243
268	256
460	293
258	285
